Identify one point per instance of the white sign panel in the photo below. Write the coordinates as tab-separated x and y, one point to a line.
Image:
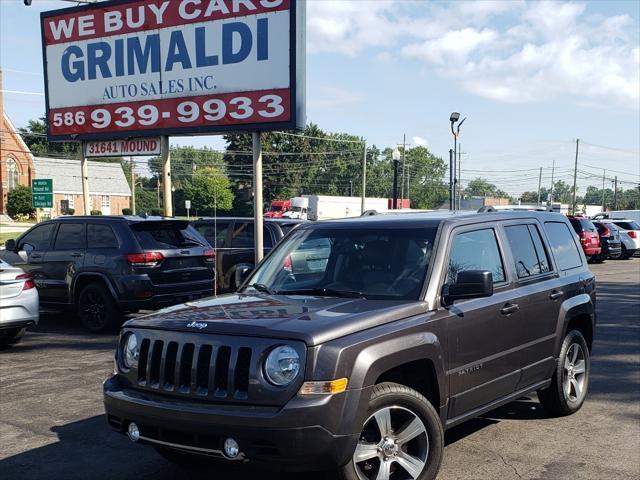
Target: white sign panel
173	67
129	147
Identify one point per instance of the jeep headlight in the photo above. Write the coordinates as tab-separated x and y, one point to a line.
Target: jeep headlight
130	351
282	365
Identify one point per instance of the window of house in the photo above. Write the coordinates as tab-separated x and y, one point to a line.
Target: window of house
71	199
13	174
106	201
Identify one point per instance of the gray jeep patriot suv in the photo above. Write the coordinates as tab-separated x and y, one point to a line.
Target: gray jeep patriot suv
357	342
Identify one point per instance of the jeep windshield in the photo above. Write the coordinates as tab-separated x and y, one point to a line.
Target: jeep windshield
352	263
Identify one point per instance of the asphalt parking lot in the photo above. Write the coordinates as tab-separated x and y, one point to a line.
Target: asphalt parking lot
52	424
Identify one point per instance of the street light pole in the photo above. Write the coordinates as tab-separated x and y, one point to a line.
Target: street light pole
451	188
453	118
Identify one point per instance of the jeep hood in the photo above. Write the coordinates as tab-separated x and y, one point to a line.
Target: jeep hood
313	320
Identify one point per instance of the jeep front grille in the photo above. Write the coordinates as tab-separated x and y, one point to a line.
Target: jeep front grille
198	369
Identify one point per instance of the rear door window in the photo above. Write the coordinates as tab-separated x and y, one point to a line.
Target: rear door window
71	236
476	250
101	236
166	235
526	255
563	244
216	232
243	236
37	239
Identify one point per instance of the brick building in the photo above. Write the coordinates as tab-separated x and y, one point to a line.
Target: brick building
16	161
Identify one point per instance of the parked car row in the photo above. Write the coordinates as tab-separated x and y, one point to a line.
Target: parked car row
106	267
607	238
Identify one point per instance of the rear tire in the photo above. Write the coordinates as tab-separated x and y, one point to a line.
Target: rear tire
625	253
421	449
11	336
570	381
598	258
97	310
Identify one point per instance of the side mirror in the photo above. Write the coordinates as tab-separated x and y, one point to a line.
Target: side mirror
242	273
10	245
470	284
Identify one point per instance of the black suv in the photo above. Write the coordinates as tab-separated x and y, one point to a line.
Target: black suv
233	240
404	326
105	266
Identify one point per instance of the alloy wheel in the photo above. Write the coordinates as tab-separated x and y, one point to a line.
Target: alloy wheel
393	445
575	373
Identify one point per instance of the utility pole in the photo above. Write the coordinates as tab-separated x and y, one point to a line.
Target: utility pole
553	170
395	184
404	148
575	176
84	167
539	185
133	186
257	196
351	188
364	176
166	178
615	194
604	172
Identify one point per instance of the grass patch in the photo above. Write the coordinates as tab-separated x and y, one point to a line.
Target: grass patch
6	236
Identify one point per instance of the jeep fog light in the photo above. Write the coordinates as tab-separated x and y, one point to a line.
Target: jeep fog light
231	448
133	432
324	388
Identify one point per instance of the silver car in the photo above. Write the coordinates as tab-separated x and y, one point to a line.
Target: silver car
19	305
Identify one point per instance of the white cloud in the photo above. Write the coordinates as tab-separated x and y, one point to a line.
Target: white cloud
419	141
511	51
330	97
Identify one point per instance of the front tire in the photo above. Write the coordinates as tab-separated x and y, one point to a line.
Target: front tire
570	381
402	436
97	310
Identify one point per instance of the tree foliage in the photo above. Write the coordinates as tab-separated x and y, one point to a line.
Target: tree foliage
19	201
209	191
480	187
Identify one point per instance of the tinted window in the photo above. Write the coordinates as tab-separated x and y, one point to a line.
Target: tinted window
70	236
607	229
525	253
215	232
243	237
476	250
628	225
541	251
39	238
345	262
582	224
101	236
563	244
166	235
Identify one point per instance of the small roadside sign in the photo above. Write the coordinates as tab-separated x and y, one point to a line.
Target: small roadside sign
42	193
187	204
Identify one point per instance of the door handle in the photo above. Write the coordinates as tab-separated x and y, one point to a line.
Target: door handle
76	254
509	308
35	256
556	294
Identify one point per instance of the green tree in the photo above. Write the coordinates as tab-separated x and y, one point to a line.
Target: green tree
562	192
479	187
209	190
19	201
34	135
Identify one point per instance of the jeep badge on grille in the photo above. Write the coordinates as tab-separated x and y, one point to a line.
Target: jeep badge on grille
198	325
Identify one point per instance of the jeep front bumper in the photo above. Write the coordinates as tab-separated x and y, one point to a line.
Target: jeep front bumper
308	433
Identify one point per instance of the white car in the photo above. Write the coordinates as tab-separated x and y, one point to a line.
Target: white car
629	235
19	305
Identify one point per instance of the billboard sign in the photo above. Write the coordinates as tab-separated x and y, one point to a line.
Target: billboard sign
172	67
129	147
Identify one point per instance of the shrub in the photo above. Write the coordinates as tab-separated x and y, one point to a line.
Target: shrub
71	211
96	212
157	212
127	211
19	202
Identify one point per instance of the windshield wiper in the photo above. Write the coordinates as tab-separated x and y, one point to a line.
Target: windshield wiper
261	287
329	292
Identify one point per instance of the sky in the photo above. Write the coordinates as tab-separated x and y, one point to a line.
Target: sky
530	78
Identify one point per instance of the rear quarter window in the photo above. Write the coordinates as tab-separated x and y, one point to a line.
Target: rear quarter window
628	225
167	235
564	246
101	236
